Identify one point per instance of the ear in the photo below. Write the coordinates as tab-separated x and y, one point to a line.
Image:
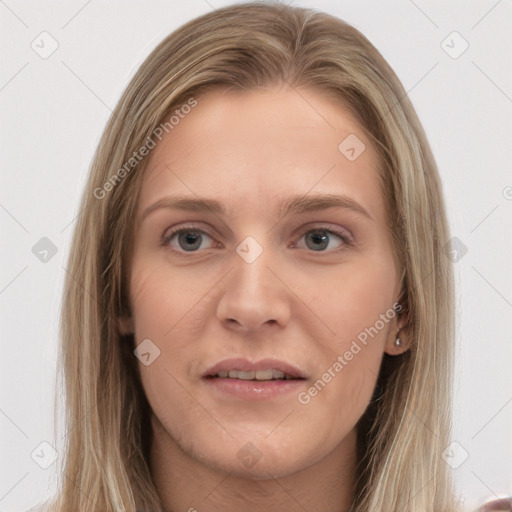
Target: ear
125	325
401	328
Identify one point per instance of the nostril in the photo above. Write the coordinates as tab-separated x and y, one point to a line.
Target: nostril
233	322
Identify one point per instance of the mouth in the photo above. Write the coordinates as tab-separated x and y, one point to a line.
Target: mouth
263	370
241	379
259	375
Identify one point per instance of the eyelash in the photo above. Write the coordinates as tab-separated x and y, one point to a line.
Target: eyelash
166	238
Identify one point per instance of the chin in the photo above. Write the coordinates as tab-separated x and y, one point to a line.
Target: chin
256	457
264	469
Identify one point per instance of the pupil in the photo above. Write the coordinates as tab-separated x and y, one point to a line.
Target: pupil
319	237
189	238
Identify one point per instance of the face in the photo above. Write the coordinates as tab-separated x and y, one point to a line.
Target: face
227	296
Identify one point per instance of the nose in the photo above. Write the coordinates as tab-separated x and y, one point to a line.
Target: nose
254	296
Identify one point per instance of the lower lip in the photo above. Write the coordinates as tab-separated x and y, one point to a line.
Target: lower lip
253	389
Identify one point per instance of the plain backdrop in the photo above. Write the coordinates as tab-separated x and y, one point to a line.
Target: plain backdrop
54	108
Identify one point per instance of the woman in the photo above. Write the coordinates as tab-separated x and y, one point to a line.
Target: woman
258	308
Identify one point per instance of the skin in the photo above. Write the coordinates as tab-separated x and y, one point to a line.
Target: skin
249	150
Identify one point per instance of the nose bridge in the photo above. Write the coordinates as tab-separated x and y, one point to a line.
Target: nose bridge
251	266
251	273
253	295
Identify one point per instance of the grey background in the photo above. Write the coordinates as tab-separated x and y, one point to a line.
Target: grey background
53	111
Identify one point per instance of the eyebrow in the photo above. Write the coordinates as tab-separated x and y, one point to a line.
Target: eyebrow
294	204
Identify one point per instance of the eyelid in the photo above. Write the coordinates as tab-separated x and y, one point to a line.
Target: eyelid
340	231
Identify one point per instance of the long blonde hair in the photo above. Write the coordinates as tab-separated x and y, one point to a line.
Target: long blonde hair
407	425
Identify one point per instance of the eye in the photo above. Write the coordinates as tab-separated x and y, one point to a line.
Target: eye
190	239
187	239
319	238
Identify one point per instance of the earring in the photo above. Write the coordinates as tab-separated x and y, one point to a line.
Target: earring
398	342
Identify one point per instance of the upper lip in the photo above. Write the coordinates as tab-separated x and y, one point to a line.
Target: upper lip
245	365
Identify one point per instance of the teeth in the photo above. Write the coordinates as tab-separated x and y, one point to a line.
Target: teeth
254	375
233	374
267	374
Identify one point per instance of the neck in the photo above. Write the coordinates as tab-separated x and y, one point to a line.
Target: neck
186	484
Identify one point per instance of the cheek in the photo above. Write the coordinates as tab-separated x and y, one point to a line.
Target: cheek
170	401
164	302
357	307
151	301
344	385
169	308
353	299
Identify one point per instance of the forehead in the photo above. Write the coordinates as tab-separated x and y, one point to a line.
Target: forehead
252	148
